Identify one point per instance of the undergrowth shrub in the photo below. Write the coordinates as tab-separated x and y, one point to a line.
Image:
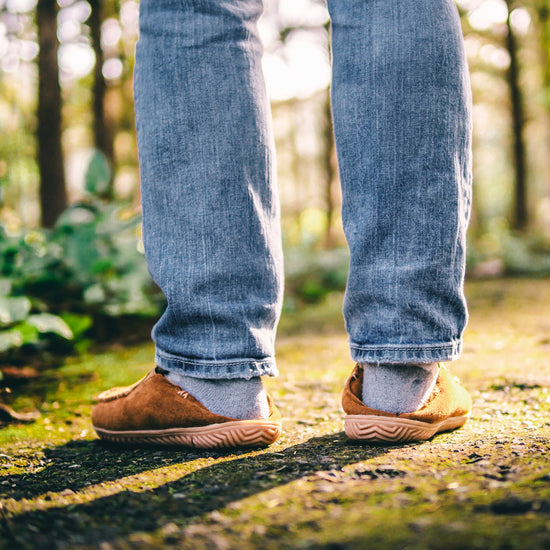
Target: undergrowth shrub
83	280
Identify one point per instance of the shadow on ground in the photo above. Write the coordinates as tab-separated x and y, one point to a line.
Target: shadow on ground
233	477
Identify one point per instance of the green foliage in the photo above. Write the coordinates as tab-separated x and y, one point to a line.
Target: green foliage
500	251
99	176
60	287
13	309
312	274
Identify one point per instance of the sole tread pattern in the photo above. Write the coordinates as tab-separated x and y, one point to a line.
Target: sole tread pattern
211	437
378	429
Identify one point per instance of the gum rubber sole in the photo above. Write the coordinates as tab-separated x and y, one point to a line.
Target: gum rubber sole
383	429
243	433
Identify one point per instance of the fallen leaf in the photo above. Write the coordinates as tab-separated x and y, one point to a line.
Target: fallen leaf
7	415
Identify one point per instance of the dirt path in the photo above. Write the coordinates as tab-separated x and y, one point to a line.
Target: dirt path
485	486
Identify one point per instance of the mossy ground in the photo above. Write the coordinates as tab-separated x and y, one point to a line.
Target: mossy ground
485	486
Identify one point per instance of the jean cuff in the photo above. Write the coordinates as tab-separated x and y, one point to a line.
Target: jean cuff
406	354
216	370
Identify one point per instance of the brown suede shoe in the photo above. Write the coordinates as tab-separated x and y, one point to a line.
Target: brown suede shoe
447	408
155	411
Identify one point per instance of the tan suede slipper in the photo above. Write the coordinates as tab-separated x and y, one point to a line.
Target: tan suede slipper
447	408
155	411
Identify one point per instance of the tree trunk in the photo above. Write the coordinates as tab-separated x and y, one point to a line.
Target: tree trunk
103	136
295	164
543	12
520	219
328	151
53	195
328	170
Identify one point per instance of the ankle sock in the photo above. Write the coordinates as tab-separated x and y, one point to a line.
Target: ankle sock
236	398
398	388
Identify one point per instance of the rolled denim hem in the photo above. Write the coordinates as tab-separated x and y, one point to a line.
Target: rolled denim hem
216	370
403	354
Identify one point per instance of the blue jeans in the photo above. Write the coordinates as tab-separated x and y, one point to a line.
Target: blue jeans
402	123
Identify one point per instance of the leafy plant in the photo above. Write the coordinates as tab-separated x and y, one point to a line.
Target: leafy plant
59	287
312	274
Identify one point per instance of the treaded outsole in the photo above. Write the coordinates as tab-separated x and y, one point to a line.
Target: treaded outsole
245	433
382	429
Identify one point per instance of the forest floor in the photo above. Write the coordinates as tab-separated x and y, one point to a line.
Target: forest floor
484	486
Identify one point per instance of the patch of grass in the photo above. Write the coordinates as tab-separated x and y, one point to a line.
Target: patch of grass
63	395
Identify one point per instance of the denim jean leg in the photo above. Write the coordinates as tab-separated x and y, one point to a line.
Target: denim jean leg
402	116
210	209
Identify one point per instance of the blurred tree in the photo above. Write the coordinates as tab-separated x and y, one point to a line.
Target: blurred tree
542	12
329	170
53	194
520	218
328	156
103	133
542	9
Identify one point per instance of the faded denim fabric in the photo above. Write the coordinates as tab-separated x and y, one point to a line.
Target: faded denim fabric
402	118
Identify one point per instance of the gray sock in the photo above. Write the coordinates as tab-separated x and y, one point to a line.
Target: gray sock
398	388
236	398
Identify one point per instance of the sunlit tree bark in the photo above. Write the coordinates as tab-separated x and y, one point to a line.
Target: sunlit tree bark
328	170
328	150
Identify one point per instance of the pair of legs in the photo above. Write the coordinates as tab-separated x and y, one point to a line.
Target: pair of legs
402	122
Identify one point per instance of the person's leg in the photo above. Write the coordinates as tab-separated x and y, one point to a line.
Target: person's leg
402	118
210	213
210	209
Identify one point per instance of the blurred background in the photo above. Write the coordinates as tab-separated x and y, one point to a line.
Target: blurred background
72	270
